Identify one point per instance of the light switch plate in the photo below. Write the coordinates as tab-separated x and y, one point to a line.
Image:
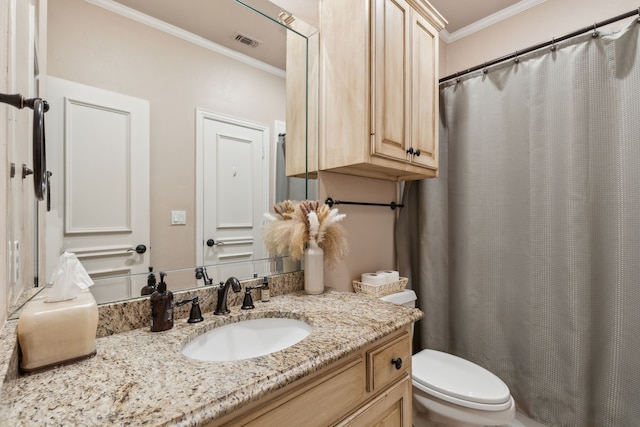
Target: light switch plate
178	217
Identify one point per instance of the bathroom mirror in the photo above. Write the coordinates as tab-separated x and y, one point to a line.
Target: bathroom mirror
164	58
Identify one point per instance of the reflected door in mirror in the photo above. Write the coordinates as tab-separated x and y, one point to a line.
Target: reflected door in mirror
235	179
99	156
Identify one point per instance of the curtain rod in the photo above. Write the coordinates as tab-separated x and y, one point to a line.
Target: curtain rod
551	43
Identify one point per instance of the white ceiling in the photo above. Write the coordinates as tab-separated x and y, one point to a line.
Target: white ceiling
221	20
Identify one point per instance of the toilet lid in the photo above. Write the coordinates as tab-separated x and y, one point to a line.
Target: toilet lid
459	381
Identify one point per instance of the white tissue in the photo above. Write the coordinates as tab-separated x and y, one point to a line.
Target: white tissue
69	278
373	279
391	275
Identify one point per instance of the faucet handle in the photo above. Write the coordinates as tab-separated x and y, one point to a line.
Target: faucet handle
247	303
195	315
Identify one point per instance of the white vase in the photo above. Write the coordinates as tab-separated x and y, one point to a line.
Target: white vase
313	270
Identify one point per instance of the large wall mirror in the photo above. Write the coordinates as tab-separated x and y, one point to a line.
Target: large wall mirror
168	137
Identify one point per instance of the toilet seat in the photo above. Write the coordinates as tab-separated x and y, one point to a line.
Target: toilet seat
459	381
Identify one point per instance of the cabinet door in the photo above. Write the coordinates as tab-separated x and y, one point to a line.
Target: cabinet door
314	405
392	408
391	106
424	124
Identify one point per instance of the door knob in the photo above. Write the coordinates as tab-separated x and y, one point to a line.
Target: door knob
139	249
212	243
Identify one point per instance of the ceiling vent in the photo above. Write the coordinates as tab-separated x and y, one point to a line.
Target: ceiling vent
247	40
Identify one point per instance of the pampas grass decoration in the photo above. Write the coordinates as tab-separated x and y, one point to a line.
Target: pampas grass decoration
314	226
293	225
334	244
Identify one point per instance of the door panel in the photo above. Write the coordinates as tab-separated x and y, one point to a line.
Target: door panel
425	93
99	155
234	194
390	41
97	169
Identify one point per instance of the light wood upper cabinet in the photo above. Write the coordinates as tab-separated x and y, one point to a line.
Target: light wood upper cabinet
378	90
302	98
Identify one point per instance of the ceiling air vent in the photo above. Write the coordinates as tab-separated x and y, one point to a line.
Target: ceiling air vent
247	40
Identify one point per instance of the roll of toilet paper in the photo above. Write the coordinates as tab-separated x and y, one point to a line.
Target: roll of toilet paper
390	275
373	279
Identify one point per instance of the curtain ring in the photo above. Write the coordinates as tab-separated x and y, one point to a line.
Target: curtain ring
457	76
639	15
484	69
516	59
595	31
553	44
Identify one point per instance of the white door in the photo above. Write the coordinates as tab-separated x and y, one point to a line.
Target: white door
232	192
98	151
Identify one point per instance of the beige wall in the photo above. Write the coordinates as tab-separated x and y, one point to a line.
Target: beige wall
552	18
176	77
371	229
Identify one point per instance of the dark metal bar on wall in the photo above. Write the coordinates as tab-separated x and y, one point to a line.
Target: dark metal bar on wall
393	205
550	43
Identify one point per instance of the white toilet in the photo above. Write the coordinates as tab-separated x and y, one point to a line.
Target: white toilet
451	391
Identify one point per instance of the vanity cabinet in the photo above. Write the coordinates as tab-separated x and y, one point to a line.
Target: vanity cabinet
362	389
378	88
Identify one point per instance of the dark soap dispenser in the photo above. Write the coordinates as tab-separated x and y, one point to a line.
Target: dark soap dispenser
150	287
161	307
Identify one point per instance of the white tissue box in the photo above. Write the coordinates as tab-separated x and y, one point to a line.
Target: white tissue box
56	333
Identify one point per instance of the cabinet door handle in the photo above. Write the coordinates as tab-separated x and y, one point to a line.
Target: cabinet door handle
397	363
413	152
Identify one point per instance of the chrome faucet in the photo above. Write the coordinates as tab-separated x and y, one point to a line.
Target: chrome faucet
223	290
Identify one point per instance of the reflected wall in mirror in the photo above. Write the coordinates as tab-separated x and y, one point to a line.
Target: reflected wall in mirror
213	123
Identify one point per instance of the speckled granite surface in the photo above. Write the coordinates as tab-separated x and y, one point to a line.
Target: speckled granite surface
141	378
123	316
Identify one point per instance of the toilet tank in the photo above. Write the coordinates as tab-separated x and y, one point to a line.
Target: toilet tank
406	297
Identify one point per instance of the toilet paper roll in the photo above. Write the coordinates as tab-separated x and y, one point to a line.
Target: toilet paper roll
390	275
373	279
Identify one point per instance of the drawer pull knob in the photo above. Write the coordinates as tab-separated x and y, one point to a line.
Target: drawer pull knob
397	363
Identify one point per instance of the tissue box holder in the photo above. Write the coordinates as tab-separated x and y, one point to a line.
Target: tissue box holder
380	290
57	333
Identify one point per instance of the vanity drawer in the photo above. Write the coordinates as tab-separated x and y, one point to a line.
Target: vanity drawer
314	405
388	361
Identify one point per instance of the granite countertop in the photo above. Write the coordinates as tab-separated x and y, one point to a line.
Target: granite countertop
141	377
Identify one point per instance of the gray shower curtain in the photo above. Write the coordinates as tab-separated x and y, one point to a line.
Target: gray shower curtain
525	252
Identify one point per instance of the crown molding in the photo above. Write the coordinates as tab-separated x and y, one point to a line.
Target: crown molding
490	20
157	24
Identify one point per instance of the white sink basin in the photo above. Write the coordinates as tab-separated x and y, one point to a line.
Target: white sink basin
247	339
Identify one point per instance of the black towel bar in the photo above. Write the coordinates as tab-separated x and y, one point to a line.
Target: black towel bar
393	205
